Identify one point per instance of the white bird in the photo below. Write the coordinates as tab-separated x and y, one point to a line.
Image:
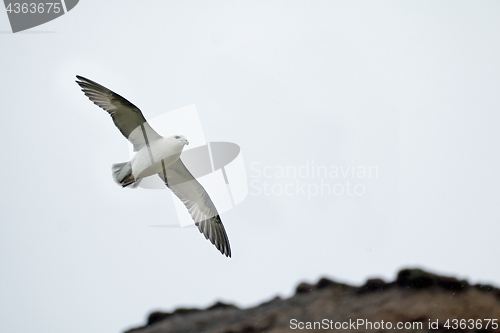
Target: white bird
157	155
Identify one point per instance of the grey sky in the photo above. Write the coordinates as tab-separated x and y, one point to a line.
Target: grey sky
409	87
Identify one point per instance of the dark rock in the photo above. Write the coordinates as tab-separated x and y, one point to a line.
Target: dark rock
184	311
372	285
157	316
220	305
274	300
452	283
304	288
324	283
419	279
415	278
484	287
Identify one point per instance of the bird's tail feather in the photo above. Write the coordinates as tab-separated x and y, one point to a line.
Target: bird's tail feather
122	175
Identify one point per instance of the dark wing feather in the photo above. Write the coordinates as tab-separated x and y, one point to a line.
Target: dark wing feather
126	116
198	202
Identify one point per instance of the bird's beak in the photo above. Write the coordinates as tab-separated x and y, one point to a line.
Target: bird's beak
186	141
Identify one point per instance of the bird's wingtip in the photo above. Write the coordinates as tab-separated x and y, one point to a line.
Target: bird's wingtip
81	78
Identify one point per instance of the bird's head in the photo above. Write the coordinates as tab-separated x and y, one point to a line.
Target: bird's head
181	139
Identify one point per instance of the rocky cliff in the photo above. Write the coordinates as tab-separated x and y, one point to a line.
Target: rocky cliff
417	301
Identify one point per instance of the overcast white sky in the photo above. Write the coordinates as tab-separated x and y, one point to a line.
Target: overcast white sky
409	87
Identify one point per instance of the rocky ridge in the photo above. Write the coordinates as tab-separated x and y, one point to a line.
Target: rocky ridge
422	301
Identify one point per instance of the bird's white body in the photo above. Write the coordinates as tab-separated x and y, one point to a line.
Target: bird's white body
148	160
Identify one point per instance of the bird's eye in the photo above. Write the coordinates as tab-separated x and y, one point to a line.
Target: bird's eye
177	137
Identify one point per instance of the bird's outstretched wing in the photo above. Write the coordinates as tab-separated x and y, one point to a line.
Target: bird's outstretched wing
198	202
126	116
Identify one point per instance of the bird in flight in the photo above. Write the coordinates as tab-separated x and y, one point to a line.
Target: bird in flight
157	155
